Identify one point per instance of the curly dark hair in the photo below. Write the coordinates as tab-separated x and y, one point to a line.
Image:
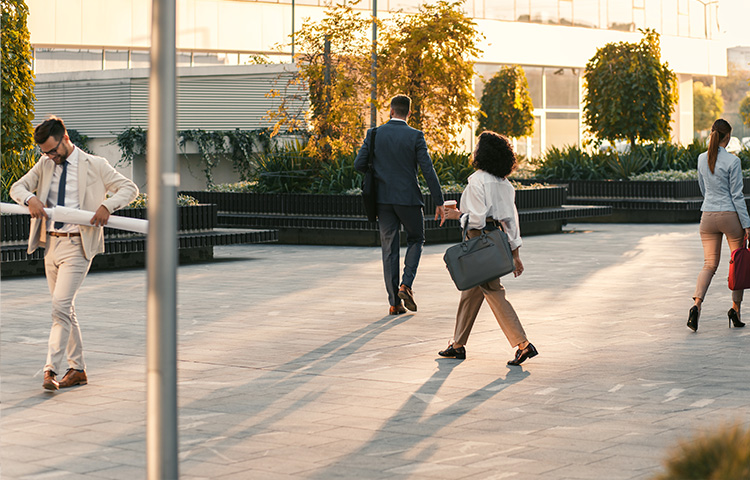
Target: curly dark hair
494	154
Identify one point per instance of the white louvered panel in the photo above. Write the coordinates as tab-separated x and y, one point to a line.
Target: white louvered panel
95	109
104	108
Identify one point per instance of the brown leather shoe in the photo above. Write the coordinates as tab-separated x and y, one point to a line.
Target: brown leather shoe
397	310
73	377
405	293
50	382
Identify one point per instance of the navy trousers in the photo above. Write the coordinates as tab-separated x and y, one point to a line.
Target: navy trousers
390	219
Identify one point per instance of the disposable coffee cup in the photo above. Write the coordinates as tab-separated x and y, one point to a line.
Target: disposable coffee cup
450	204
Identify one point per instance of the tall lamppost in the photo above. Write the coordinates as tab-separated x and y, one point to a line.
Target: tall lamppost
374	88
292	31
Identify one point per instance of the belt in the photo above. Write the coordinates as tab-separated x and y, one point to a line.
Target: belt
64	234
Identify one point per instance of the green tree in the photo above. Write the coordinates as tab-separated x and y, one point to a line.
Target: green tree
334	63
745	109
17	99
430	57
506	104
630	94
17	79
707	106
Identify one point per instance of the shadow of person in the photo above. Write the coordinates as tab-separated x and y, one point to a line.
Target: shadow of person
396	445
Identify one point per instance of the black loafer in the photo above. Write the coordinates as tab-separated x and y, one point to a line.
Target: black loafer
692	322
450	352
522	354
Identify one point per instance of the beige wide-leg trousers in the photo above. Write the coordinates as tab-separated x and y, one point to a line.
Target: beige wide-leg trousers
66	268
713	226
471	302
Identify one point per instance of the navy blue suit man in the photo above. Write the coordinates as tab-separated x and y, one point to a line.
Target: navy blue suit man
398	151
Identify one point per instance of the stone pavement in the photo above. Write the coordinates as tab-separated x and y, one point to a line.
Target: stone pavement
290	369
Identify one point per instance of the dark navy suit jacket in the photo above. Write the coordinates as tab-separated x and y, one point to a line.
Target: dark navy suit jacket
399	149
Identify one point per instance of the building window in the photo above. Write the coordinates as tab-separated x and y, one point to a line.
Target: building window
620	15
534	78
544	11
586	13
561	88
562	129
566	12
498	10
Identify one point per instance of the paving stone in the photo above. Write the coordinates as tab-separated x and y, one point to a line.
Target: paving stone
290	368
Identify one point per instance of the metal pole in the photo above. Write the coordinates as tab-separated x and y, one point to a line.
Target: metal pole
161	339
292	31
374	89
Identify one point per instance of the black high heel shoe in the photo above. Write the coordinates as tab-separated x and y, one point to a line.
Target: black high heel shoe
734	319
692	322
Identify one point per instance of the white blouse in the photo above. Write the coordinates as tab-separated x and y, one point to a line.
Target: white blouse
489	196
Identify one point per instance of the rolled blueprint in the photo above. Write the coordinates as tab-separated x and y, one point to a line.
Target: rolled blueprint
81	217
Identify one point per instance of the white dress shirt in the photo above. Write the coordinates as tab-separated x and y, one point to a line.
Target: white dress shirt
71	191
489	196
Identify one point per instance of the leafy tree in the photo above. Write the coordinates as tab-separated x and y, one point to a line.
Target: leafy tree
17	104
707	106
630	94
506	104
430	57
745	109
338	79
18	78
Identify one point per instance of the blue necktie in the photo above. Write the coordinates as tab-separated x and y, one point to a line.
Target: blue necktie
61	191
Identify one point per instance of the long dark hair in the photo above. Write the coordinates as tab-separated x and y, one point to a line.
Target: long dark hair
719	131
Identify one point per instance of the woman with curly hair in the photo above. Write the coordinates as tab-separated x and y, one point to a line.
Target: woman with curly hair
487	203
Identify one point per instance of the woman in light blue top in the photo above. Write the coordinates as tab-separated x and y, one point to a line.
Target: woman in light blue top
724	213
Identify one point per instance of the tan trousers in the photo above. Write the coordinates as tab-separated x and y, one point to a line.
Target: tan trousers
713	226
471	302
66	268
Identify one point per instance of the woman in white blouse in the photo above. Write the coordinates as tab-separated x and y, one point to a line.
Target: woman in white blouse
487	202
724	213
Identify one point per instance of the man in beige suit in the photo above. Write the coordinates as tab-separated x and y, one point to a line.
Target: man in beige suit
65	175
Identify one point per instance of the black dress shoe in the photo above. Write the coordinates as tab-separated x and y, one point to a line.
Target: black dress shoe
734	319
459	353
522	354
692	322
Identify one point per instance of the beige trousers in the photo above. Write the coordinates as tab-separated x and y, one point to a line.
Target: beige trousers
66	268
713	226
471	302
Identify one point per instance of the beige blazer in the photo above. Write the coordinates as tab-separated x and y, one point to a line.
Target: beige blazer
96	177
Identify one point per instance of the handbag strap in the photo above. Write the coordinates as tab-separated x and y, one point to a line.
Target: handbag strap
465	234
371	151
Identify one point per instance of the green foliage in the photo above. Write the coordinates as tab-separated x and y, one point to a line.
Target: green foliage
14	166
665	176
237	145
452	167
573	163
141	201
337	176
630	94
132	143
430	57
707	106
285	169
721	454
79	140
745	110
17	98
506	104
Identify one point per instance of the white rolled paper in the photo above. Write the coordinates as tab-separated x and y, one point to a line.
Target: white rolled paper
81	217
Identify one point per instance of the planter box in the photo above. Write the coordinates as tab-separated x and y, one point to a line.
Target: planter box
14	228
347	205
634	189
